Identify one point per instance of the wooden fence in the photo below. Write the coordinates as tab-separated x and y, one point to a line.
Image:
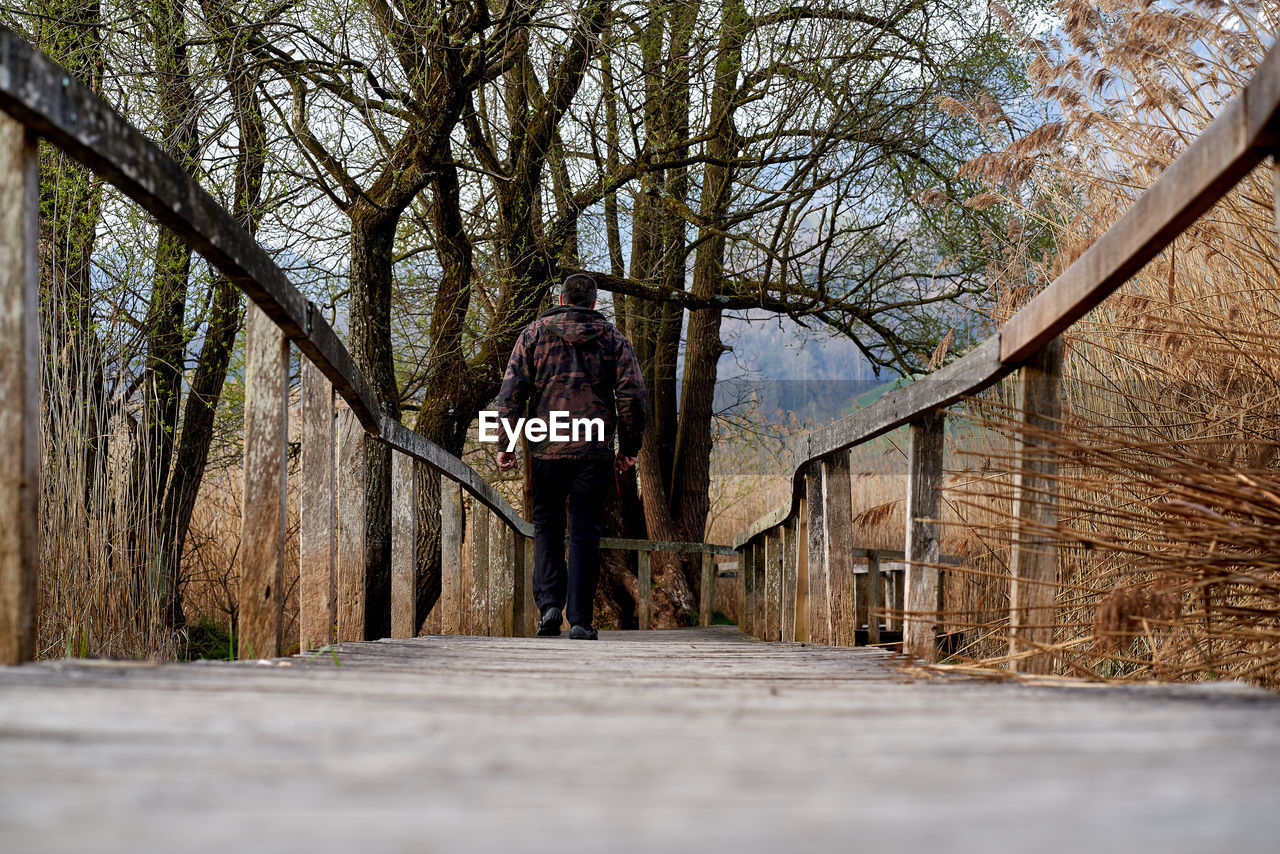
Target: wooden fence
799	579
491	594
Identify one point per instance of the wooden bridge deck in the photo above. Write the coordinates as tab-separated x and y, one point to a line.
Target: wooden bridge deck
644	741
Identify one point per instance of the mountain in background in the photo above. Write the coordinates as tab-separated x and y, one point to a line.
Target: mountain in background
789	370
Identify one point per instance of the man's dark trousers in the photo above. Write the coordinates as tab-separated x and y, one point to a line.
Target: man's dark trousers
585	482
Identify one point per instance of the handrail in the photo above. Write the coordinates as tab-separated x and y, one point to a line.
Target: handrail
1240	138
49	100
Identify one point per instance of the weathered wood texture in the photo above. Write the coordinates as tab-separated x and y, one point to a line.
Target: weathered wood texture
800	548
1033	563
787	621
869	598
759	565
315	511
260	625
707	590
816	549
837	544
924	499
404	547
478	527
523	608
349	554
644	590
694	740
498	598
452	595
773	585
664	546
19	393
746	584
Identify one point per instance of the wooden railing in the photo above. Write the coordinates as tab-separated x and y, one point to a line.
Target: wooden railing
492	595
798	579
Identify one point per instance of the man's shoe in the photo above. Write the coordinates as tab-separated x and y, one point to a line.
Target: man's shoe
549	625
583	633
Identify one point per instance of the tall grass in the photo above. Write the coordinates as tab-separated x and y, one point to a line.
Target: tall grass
1167	455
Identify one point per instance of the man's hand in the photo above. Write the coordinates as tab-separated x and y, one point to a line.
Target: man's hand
623	463
507	461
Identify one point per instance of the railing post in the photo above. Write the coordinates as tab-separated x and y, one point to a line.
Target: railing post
773	585
522	596
505	576
479	524
349	553
266	419
19	392
451	591
920	637
707	590
816	557
531	614
1034	560
787	621
801	552
315	511
498	590
837	519
869	597
746	584
759	608
899	580
644	587
404	546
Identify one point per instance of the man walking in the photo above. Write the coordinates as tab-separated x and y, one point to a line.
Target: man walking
571	359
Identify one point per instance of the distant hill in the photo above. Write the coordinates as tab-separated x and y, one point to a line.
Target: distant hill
788	369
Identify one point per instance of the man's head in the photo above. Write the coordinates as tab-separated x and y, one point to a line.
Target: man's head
579	289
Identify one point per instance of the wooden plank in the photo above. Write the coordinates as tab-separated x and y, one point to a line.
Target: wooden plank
707	589
19	393
621	544
479	529
451	588
404	547
262	526
773	748
401	438
315	511
746	586
522	596
899	597
837	521
773	585
531	614
466	590
349	567
644	589
787	620
924	499
497	554
760	565
815	548
800	548
1033	563
869	597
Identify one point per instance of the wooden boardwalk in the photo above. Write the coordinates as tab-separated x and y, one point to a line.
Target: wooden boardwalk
644	741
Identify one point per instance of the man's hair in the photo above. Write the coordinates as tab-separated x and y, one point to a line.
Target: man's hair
579	289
